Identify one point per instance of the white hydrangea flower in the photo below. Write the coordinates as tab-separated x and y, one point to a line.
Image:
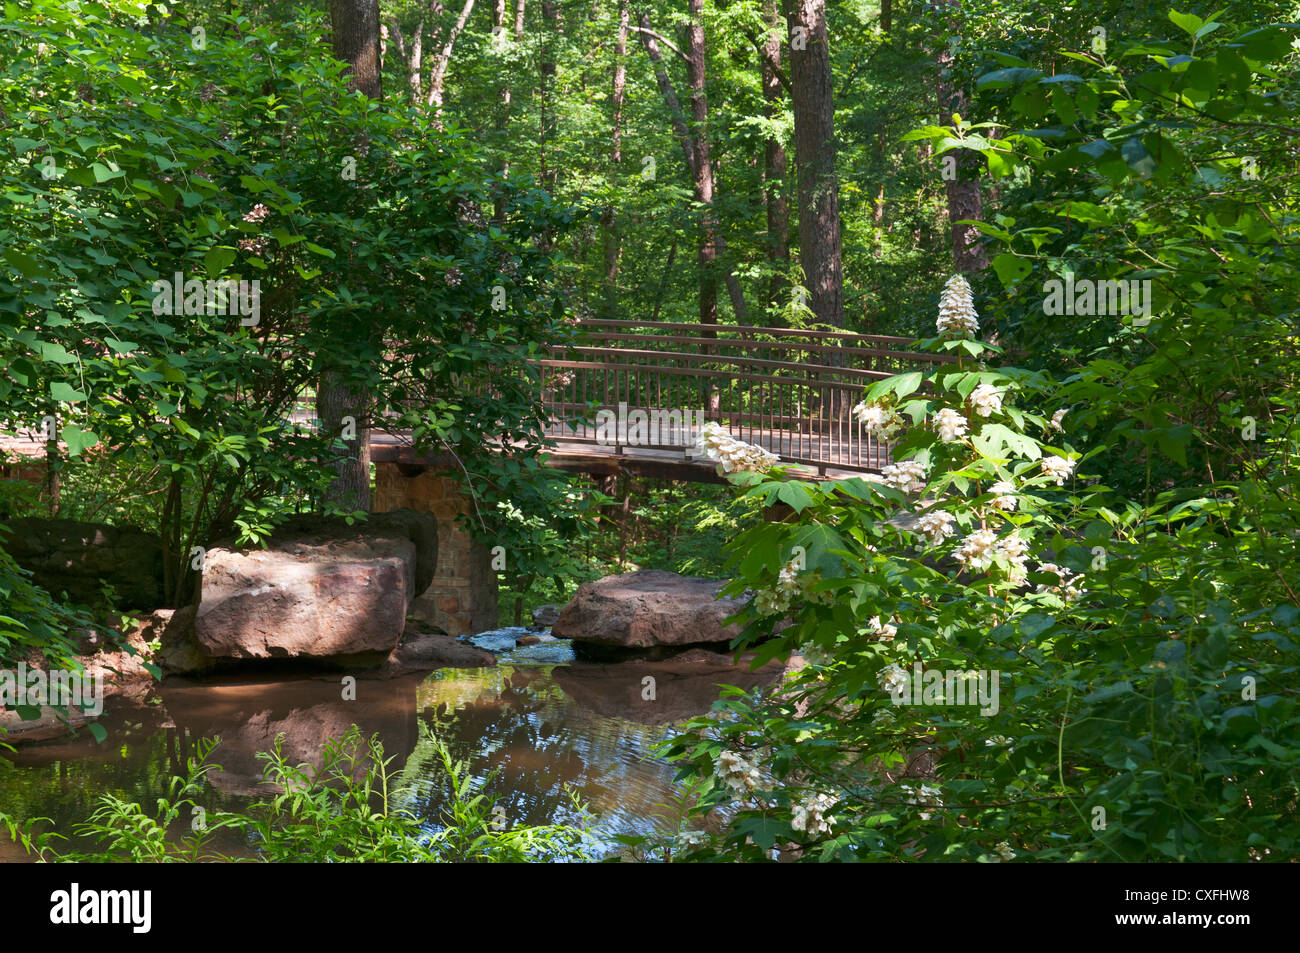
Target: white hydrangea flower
892	678
815	654
1055	422
936	526
811	816
950	424
788	578
957	313
885	632
1069	588
908	476
879	421
976	551
736	772
1058	469
1005	496
925	795
788	585
1015	550
691	838
1004	851
987	400
732	455
771	602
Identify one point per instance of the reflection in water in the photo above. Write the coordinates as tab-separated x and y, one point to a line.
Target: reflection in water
530	744
530	735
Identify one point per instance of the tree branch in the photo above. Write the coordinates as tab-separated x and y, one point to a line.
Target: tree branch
659	37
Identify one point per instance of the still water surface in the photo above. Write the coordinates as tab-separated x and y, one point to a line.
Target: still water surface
530	733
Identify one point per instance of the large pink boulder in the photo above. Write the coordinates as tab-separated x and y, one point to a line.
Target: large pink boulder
648	609
313	595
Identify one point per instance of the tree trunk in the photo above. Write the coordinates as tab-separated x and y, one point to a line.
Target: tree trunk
354	29
702	180
814	135
690	149
774	164
335	401
607	219
438	72
702	174
551	21
411	55
499	211
964	198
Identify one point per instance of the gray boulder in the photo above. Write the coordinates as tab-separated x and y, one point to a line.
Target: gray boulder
646	610
312	594
546	615
425	653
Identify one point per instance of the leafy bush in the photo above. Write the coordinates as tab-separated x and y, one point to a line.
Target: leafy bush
136	154
32	619
1145	653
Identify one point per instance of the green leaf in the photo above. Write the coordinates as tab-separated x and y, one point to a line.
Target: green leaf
793	494
1138	158
217	260
65	392
78	439
1187	22
25	265
905	384
1001	78
1011	269
763	831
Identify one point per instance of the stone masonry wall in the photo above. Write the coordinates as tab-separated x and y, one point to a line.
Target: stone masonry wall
463	595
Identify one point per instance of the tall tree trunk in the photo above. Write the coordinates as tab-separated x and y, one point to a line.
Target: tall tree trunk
702	174
550	28
774	162
438	72
690	149
814	139
964	198
499	19
548	173
411	54
354	31
607	219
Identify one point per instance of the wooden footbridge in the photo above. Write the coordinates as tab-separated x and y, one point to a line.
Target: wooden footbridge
631	396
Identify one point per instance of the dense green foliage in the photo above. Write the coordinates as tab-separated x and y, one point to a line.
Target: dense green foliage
135	154
347	809
1147	664
1138	600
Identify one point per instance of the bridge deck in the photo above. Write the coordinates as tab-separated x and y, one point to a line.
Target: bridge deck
787	390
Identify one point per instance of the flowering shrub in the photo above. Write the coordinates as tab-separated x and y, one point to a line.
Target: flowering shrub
732	455
1144	709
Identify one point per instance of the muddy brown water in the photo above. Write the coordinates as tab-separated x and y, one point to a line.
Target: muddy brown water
531	735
